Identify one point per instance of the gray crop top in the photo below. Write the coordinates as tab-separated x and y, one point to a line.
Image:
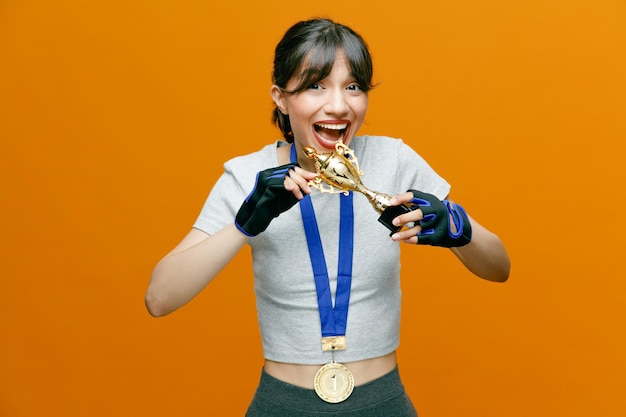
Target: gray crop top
283	278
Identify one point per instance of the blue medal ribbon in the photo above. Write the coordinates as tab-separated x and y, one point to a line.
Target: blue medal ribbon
334	319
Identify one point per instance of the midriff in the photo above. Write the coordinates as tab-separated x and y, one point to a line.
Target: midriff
304	375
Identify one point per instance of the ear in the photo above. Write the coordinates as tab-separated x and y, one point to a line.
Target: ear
279	98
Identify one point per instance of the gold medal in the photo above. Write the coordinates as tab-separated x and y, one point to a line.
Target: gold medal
334	382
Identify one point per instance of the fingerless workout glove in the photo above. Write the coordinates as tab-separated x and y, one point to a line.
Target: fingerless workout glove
439	216
267	200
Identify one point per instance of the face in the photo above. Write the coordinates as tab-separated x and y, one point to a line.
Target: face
326	112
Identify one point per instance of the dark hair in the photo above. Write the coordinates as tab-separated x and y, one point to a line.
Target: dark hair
307	50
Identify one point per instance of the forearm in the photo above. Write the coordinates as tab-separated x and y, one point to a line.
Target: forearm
485	256
190	267
480	250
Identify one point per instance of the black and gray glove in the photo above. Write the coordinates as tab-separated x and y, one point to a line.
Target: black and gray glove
438	219
267	200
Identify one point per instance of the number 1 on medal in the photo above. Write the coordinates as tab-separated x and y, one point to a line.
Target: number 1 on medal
334	378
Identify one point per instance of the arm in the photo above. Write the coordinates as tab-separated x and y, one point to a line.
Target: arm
190	267
484	255
199	257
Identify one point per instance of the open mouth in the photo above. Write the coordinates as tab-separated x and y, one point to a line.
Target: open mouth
328	134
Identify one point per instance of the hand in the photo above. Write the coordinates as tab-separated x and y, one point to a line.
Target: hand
435	222
276	191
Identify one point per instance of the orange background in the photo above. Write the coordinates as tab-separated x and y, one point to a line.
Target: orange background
116	117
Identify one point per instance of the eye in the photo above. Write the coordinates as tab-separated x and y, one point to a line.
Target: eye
354	87
315	86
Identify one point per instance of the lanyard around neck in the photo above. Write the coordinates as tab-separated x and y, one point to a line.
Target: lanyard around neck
333	319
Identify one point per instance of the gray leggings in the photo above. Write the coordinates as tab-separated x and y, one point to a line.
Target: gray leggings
383	397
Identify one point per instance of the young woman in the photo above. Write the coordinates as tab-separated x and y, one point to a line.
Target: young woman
327	273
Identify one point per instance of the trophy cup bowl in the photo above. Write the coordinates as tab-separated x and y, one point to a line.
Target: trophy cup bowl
338	172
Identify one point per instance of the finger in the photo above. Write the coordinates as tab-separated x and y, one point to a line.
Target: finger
308	175
292	186
408	235
410	217
300	178
402	198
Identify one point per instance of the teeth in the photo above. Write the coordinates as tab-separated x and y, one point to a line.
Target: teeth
332	126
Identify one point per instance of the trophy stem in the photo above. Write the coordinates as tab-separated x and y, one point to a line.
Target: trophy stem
380	201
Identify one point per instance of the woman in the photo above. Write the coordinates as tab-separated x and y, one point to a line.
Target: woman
326	272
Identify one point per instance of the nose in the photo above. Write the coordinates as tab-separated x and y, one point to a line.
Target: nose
336	103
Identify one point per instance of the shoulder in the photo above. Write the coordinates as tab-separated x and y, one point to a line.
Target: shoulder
382	147
395	166
240	172
374	141
376	144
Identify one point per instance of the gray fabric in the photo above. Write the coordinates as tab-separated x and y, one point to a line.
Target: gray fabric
385	396
283	278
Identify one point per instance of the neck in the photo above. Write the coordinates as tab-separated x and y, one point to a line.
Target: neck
304	162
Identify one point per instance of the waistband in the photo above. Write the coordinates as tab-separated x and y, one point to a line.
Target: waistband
366	395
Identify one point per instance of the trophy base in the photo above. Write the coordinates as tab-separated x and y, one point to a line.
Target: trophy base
391	213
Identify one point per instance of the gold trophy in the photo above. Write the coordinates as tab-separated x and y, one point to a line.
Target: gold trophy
338	172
